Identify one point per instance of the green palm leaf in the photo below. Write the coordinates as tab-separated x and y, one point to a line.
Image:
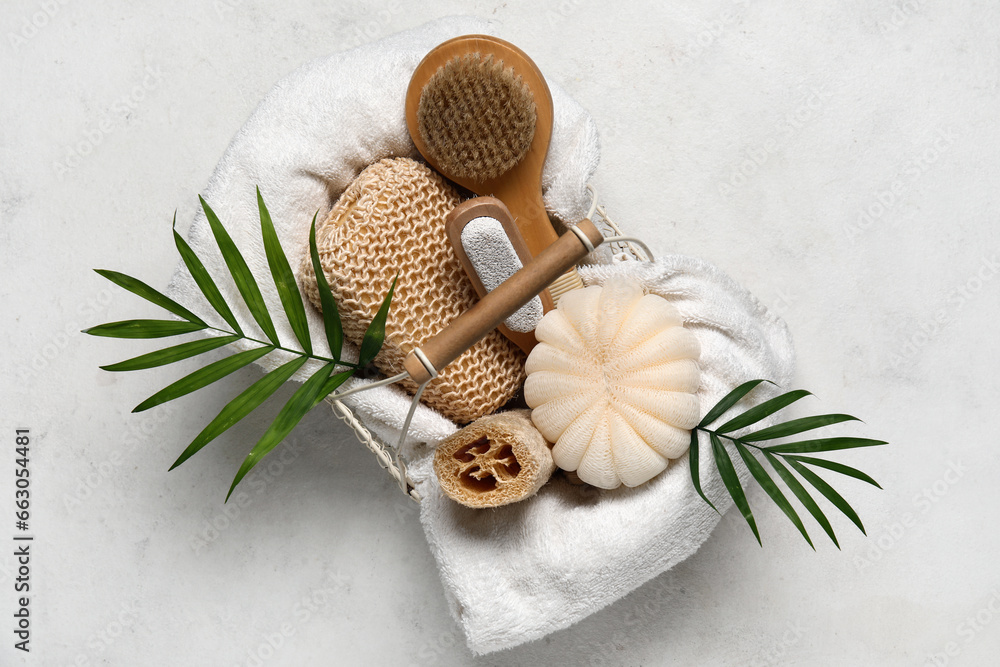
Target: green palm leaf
766	483
331	316
241	273
375	334
732	482
820	485
301	402
149	294
144	329
171	354
803	495
331	385
795	426
284	279
836	467
241	406
765	409
693	464
204	281
823	445
312	392
203	377
729	400
790	451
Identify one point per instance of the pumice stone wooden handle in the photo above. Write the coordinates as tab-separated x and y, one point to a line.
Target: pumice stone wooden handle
424	362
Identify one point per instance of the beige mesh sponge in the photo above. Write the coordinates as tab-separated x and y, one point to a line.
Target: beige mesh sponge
391	218
613	382
476	117
497	460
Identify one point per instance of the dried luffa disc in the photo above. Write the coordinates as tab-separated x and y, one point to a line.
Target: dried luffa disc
389	220
497	460
612	383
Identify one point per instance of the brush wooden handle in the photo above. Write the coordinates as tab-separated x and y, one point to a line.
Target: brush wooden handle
464	331
520	188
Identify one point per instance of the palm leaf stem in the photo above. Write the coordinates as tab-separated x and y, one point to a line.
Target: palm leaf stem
300	353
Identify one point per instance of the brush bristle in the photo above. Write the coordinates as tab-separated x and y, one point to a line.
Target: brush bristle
476	118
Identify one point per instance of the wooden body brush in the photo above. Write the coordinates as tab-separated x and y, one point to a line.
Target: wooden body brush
480	112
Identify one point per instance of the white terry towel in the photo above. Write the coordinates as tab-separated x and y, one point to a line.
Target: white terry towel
520	572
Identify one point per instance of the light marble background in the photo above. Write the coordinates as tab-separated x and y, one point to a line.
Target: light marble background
810	113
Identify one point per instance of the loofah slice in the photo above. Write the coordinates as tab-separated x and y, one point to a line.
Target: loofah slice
497	460
391	218
477	117
612	383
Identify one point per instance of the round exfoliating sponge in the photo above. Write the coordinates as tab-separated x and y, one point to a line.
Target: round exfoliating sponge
613	382
389	220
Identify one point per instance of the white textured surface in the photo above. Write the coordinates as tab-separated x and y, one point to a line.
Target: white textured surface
493	257
755	135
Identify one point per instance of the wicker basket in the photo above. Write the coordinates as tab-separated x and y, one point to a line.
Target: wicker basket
389	456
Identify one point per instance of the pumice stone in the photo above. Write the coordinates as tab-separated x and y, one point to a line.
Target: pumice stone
612	383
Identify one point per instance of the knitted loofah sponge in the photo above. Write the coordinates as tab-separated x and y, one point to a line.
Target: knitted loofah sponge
497	460
391	218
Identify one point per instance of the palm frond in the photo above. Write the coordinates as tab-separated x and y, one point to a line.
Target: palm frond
319	385
783	458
